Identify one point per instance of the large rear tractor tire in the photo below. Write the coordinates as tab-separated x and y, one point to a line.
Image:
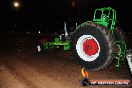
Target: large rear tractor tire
93	46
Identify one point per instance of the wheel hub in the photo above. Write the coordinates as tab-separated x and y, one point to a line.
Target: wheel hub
90	47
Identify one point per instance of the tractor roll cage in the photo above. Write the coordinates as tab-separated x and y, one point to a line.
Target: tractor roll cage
106	17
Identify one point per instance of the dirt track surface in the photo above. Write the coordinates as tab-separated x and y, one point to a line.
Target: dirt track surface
20	67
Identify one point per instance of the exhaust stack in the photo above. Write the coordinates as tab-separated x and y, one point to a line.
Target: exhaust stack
65	30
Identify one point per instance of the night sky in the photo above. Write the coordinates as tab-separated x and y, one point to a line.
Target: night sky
50	14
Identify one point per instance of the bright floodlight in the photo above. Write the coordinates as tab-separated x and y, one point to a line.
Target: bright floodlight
16	4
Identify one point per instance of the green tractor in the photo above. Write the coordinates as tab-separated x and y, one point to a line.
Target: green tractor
94	44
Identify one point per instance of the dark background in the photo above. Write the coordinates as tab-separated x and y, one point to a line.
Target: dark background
49	15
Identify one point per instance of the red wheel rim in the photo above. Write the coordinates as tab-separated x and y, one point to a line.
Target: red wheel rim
90	47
